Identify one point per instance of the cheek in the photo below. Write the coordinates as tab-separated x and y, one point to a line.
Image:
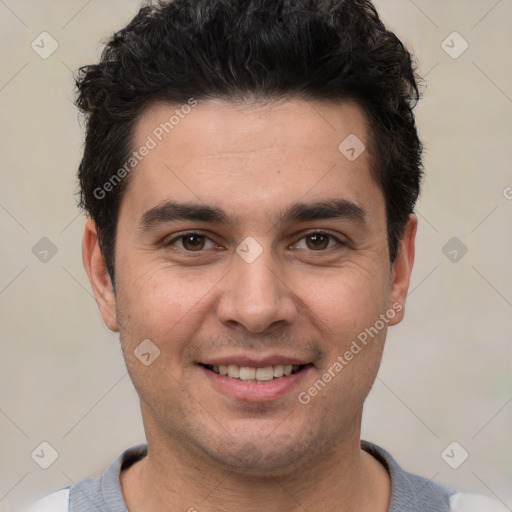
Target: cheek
168	310
345	302
346	312
164	305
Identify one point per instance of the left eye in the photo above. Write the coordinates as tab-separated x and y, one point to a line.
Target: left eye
318	241
193	242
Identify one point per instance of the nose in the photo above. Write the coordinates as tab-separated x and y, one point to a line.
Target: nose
256	295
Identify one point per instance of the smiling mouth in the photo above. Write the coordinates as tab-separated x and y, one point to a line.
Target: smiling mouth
250	374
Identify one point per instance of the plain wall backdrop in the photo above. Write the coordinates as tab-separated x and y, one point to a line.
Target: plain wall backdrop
446	372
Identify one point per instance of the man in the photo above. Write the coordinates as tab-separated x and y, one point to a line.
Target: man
250	173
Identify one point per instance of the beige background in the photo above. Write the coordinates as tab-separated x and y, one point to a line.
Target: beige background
446	374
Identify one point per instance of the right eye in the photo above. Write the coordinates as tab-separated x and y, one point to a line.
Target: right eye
192	242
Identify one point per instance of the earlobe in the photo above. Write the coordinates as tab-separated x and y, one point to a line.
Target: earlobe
402	268
96	269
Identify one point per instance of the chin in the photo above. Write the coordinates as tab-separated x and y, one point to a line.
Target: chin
261	456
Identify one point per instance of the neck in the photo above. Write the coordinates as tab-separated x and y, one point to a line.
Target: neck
173	477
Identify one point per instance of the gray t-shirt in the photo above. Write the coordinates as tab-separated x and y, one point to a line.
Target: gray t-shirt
409	492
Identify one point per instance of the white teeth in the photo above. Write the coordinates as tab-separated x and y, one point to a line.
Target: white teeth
248	373
234	371
278	370
266	373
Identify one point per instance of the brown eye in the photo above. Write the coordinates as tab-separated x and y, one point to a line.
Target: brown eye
193	242
317	241
188	242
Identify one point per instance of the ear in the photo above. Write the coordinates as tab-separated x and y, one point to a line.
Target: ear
402	268
96	269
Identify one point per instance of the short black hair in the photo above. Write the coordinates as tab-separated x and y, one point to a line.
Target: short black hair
261	49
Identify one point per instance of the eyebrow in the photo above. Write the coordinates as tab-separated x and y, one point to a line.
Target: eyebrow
322	210
171	211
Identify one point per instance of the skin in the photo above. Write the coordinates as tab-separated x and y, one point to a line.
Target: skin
207	450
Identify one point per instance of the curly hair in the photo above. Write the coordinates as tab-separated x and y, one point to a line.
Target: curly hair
261	49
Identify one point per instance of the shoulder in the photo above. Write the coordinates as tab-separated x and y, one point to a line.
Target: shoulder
55	502
409	491
96	493
414	492
464	502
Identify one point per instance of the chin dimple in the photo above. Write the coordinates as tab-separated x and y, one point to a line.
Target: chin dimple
247	373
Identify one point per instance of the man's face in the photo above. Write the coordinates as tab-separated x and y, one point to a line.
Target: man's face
272	279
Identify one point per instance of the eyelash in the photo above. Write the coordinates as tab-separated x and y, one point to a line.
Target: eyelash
199	233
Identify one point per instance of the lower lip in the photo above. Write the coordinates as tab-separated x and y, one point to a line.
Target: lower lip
255	391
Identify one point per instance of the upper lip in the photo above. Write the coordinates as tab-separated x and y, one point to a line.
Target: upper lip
253	361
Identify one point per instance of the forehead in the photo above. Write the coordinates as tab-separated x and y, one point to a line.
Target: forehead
240	156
